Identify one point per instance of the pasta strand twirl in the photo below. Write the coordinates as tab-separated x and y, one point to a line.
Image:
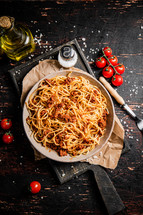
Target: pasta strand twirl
67	114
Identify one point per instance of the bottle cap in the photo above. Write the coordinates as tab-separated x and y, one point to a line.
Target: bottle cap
6	22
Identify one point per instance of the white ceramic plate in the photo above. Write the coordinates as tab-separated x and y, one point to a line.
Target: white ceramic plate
109	128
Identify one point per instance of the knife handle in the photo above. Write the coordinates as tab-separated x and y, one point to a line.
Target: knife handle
111	90
107	190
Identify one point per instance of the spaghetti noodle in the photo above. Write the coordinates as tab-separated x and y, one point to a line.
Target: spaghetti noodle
67	114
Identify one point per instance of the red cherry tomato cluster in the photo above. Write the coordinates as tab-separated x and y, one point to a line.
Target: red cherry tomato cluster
6	124
111	67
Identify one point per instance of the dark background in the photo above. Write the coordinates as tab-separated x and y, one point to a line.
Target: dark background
95	24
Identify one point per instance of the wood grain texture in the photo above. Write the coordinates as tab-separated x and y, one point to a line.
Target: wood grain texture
95	24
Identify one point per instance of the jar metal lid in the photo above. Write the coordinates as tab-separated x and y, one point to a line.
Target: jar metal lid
67	52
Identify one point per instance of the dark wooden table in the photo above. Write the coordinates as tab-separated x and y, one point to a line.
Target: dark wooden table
95	24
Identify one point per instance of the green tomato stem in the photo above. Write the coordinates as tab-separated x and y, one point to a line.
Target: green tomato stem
110	63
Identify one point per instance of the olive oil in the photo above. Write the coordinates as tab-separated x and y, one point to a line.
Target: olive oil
16	40
1	53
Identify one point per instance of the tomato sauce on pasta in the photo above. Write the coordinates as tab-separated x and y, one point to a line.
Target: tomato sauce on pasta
67	114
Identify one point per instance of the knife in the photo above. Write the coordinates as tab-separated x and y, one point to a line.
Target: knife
67	171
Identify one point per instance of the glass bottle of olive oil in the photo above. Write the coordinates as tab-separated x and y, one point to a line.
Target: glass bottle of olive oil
16	40
1	53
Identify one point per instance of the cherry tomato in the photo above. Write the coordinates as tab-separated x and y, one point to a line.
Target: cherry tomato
100	62
108	72
107	51
35	187
6	123
117	80
113	60
8	137
120	68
